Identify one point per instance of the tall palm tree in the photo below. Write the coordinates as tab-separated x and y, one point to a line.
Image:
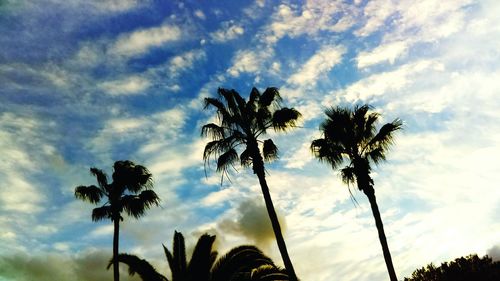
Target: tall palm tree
130	191
243	263
350	136
241	124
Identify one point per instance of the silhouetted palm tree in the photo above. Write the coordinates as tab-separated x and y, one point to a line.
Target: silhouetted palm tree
241	123
243	263
350	136
130	191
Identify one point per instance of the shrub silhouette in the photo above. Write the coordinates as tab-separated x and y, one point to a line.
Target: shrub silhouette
470	268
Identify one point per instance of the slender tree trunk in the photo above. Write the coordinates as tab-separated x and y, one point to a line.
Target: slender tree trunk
258	167
116	234
370	193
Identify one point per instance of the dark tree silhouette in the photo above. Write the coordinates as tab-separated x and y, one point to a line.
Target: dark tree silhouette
243	263
350	136
130	191
241	123
462	269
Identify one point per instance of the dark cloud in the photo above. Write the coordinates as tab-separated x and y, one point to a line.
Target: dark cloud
494	253
88	266
252	221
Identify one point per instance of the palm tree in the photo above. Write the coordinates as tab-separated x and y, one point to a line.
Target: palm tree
130	191
243	263
241	123
350	136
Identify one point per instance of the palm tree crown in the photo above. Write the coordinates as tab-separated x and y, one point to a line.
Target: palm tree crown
351	136
241	123
130	191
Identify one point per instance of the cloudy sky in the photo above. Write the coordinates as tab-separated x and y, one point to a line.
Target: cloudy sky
86	83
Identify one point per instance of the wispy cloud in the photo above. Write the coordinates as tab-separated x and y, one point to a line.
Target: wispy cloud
142	40
229	31
21	134
310	19
126	86
248	61
319	64
388	52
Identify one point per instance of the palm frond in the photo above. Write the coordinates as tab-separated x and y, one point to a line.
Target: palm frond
359	116
215	148
130	176
376	155
230	97
150	198
270	150
348	176
269	96
263	117
102	178
92	193
213	131
385	136
219	147
177	259
254	97
327	152
222	113
239	261
285	118
338	128
142	179
140	267
269	273
101	213
226	160
170	260
246	158
369	126
198	267
136	205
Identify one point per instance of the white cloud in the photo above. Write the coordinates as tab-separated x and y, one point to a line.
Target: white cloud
248	61
315	16
425	20
387	52
115	5
319	64
184	61
105	230
161	128
140	41
229	31
376	13
127	86
383	83
19	135
218	197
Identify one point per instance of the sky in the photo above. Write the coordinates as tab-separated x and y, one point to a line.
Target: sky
87	83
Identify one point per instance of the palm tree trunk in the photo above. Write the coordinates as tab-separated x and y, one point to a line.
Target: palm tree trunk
258	167
370	193
116	233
